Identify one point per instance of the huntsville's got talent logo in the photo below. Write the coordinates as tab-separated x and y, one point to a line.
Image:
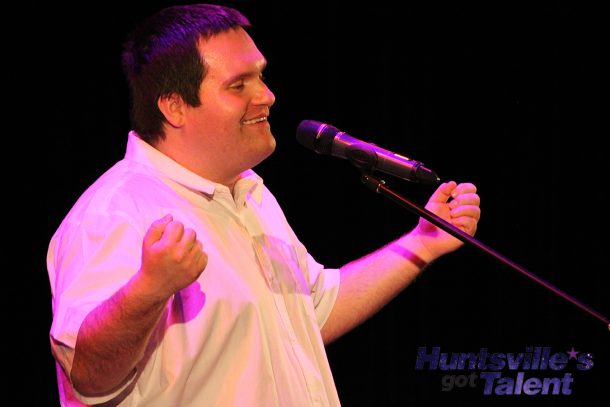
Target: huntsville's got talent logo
538	370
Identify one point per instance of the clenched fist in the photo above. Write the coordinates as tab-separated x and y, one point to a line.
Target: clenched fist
458	204
172	257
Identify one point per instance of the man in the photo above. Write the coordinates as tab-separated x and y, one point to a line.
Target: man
176	279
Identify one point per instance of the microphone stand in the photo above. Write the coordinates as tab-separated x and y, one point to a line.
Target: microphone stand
380	187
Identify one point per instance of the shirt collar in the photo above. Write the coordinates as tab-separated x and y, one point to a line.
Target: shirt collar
249	183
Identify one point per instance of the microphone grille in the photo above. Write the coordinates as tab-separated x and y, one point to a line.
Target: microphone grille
316	136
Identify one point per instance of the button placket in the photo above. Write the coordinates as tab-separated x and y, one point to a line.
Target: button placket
250	223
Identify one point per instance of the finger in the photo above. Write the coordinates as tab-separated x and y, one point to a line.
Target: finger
466	224
465	188
189	238
197	246
471	211
173	232
201	257
465	199
156	229
443	192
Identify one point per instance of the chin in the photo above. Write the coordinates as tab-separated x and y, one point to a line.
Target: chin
268	151
269	145
264	154
272	145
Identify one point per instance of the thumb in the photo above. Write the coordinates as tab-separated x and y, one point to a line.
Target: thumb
443	192
156	230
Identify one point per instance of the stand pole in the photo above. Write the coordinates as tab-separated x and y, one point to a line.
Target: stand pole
380	187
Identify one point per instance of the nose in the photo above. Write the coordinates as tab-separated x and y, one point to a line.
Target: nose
264	96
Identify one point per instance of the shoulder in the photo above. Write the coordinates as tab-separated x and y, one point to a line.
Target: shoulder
124	191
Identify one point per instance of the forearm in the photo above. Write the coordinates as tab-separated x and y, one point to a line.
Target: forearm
367	284
113	338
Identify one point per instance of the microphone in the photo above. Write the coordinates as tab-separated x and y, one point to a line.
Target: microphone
326	139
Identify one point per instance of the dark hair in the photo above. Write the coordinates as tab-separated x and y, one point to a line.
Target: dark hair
161	58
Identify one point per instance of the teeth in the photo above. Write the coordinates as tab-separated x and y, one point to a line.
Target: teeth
252	121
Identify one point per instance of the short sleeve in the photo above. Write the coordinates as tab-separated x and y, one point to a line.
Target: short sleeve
87	264
88	261
324	288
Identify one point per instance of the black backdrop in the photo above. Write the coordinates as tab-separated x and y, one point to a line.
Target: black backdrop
511	96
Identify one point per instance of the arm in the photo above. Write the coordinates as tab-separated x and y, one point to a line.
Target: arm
114	336
367	284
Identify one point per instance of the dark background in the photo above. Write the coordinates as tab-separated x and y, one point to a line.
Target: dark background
512	96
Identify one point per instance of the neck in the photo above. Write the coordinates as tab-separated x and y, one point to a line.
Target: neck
205	168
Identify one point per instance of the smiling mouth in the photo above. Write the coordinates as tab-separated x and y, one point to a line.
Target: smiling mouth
254	121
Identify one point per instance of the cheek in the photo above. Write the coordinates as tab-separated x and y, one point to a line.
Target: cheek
220	113
231	104
211	119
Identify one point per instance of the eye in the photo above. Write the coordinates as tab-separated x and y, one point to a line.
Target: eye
239	85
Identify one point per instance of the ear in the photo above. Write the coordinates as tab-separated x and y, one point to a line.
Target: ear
173	108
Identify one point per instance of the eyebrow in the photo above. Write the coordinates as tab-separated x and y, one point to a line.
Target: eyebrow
246	74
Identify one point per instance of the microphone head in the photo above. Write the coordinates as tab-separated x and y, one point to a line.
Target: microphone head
316	136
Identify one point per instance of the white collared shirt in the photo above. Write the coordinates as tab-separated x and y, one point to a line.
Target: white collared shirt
246	333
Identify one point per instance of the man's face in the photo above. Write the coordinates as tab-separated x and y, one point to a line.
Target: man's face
230	126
